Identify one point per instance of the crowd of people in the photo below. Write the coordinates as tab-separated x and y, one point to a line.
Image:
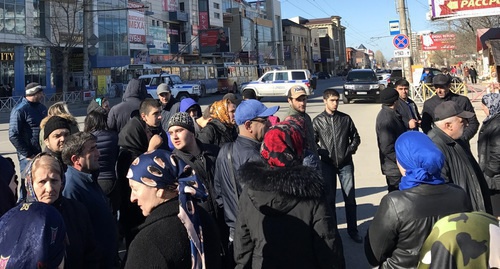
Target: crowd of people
234	186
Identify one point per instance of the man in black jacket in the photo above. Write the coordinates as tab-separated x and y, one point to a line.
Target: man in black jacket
389	126
338	139
142	133
460	166
443	94
120	114
55	132
405	106
169	105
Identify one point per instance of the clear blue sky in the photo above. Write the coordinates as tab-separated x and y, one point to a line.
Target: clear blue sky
363	19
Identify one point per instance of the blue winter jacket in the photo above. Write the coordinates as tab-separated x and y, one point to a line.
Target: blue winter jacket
107	144
24	127
82	187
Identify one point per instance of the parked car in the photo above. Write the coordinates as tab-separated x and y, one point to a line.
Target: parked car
279	82
179	89
396	74
383	77
323	75
361	84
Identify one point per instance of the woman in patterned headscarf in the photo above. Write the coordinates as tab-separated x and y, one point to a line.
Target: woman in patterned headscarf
32	235
222	128
489	148
177	233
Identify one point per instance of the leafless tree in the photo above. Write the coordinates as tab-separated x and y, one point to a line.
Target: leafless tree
380	59
66	32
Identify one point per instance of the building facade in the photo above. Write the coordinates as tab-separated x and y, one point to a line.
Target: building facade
298	45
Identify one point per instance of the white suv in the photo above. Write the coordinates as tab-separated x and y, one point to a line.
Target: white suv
179	89
279	82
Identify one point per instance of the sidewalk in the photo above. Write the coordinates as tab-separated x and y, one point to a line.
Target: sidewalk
76	109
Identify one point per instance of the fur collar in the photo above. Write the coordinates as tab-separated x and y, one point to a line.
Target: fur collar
298	182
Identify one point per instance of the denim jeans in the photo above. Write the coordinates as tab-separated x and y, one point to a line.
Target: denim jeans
22	188
346	178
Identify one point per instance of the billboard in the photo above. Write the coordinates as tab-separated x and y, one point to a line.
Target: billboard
438	42
214	40
453	9
159	35
136	23
169	5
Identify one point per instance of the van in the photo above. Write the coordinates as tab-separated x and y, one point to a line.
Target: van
279	82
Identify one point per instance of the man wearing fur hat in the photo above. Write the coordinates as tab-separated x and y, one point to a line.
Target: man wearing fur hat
24	127
389	126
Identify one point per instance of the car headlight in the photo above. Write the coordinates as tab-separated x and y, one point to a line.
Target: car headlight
374	86
349	87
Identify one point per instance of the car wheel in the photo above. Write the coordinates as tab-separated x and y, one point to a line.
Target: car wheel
203	90
182	96
248	92
345	99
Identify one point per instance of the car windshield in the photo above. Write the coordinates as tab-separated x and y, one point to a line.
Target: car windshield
176	79
361	76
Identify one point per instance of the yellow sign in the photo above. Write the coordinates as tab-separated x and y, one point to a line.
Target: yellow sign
101	71
101	85
7	56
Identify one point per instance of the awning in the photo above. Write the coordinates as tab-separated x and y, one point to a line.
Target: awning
494	45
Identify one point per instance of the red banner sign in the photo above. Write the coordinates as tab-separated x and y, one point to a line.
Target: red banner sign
452	9
203	15
438	42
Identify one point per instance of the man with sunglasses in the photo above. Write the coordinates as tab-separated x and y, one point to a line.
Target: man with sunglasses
252	119
442	85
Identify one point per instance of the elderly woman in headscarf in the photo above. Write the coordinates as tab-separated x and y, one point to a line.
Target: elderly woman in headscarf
405	218
222	128
177	233
44	183
32	236
489	148
284	220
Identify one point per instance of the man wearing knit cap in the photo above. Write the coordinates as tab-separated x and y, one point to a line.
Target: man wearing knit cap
55	132
169	105
199	156
24	127
389	126
252	119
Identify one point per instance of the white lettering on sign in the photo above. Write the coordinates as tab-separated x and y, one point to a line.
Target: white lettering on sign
402	53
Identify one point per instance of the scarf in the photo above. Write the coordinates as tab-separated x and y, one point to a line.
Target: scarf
492	102
421	159
218	110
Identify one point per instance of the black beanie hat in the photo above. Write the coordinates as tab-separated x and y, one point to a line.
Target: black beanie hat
54	123
182	119
389	96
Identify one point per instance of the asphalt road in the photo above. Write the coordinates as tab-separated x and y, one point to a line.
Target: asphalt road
370	183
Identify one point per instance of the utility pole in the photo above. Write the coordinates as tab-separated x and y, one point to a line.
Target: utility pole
404	30
86	73
257	42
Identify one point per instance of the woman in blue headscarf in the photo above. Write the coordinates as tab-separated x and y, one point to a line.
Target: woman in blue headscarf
405	218
177	233
32	235
488	147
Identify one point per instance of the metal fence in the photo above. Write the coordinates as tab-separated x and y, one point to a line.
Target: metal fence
423	91
8	103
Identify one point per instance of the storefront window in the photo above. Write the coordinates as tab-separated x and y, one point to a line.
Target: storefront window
6	70
12	17
34	65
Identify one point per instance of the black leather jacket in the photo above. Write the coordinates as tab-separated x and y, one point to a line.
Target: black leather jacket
488	147
404	219
337	137
462	101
